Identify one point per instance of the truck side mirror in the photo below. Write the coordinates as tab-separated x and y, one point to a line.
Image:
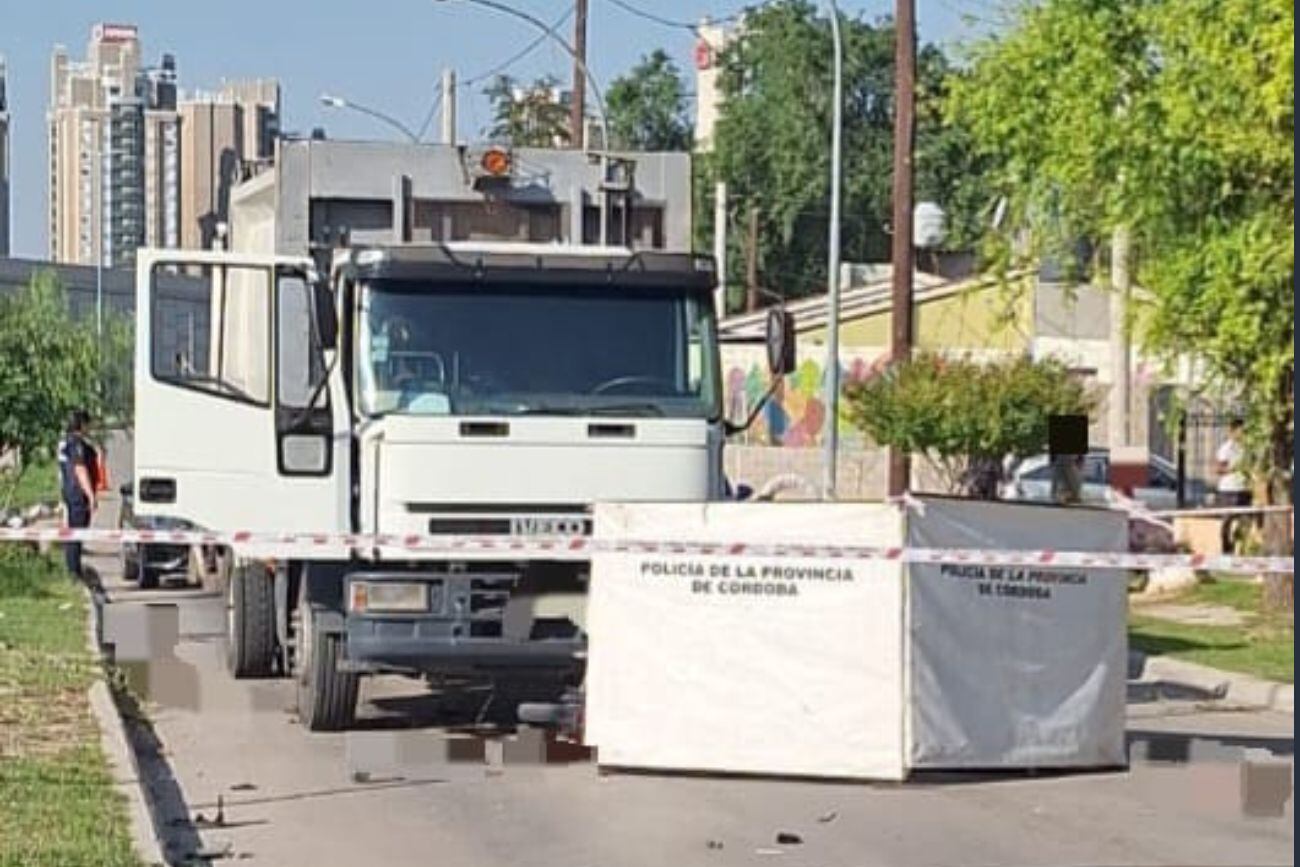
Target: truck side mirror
327	321
781	360
781	355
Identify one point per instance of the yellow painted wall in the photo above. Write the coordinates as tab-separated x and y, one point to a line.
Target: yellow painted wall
987	317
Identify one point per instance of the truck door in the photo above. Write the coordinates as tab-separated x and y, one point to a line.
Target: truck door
236	427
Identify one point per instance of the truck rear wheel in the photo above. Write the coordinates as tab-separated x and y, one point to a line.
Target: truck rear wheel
327	696
250	622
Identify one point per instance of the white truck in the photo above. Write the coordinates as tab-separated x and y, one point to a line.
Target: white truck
440	390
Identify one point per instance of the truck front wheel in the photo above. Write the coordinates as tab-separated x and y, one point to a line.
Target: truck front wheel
327	696
250	622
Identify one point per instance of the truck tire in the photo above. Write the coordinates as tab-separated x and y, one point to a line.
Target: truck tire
327	696
250	622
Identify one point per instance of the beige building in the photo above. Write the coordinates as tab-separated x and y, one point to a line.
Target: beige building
710	41
223	135
130	164
259	103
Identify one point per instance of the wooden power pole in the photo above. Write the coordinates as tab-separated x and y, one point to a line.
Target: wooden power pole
752	302
577	105
900	344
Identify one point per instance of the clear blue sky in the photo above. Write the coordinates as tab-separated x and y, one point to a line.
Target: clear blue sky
382	53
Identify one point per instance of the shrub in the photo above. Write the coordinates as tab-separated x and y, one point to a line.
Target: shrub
966	417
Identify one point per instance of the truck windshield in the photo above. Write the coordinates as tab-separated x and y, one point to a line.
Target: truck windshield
529	350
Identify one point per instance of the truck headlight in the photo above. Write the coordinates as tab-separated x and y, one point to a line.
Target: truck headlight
380	596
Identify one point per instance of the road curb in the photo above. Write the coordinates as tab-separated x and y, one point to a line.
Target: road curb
121	758
1228	686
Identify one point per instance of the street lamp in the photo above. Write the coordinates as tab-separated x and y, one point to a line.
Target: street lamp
603	117
832	379
331	101
101	157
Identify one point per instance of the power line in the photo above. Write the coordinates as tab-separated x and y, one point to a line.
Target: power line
496	69
519	55
668	22
428	118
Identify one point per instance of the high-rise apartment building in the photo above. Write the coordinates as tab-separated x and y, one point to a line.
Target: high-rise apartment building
4	162
133	164
222	134
162	156
97	151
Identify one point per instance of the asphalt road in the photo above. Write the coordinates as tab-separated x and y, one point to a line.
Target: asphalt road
235	777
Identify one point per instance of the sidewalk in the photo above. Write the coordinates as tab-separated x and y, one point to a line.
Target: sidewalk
1238	690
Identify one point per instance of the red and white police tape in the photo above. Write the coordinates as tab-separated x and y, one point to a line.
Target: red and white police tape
1220	511
569	547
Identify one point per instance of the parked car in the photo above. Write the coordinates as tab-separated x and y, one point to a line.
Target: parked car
147	565
1031	481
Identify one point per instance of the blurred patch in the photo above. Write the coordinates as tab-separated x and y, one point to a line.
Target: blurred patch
1266	786
166	682
140	633
383	755
1211	777
535	746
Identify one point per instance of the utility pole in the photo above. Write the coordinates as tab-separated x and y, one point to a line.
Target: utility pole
900	343
1120	416
449	106
751	261
577	106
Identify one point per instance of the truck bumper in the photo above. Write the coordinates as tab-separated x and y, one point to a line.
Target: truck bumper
416	645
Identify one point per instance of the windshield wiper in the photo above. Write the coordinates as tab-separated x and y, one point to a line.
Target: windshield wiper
603	409
626	409
547	410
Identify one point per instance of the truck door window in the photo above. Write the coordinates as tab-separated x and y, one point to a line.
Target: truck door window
303	425
300	362
210	330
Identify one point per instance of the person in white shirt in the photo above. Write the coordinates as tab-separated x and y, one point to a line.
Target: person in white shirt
1233	488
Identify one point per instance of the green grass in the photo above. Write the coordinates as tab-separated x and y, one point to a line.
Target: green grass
1264	646
39	483
57	801
1237	593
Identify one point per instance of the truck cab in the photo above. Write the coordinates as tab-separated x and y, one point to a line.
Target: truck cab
445	391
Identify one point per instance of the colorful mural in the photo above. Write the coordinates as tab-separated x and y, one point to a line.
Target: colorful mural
797	411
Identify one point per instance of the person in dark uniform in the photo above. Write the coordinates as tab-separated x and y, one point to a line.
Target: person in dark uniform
76	466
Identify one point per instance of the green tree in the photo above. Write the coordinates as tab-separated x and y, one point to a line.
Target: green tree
772	143
647	106
117	369
1175	120
48	367
527	115
965	417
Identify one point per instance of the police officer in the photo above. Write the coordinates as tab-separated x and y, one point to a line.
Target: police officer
76	465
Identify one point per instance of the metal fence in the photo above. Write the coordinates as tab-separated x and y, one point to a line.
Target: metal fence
1189	441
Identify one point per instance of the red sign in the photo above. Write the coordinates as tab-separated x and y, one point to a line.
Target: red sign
703	55
117	32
